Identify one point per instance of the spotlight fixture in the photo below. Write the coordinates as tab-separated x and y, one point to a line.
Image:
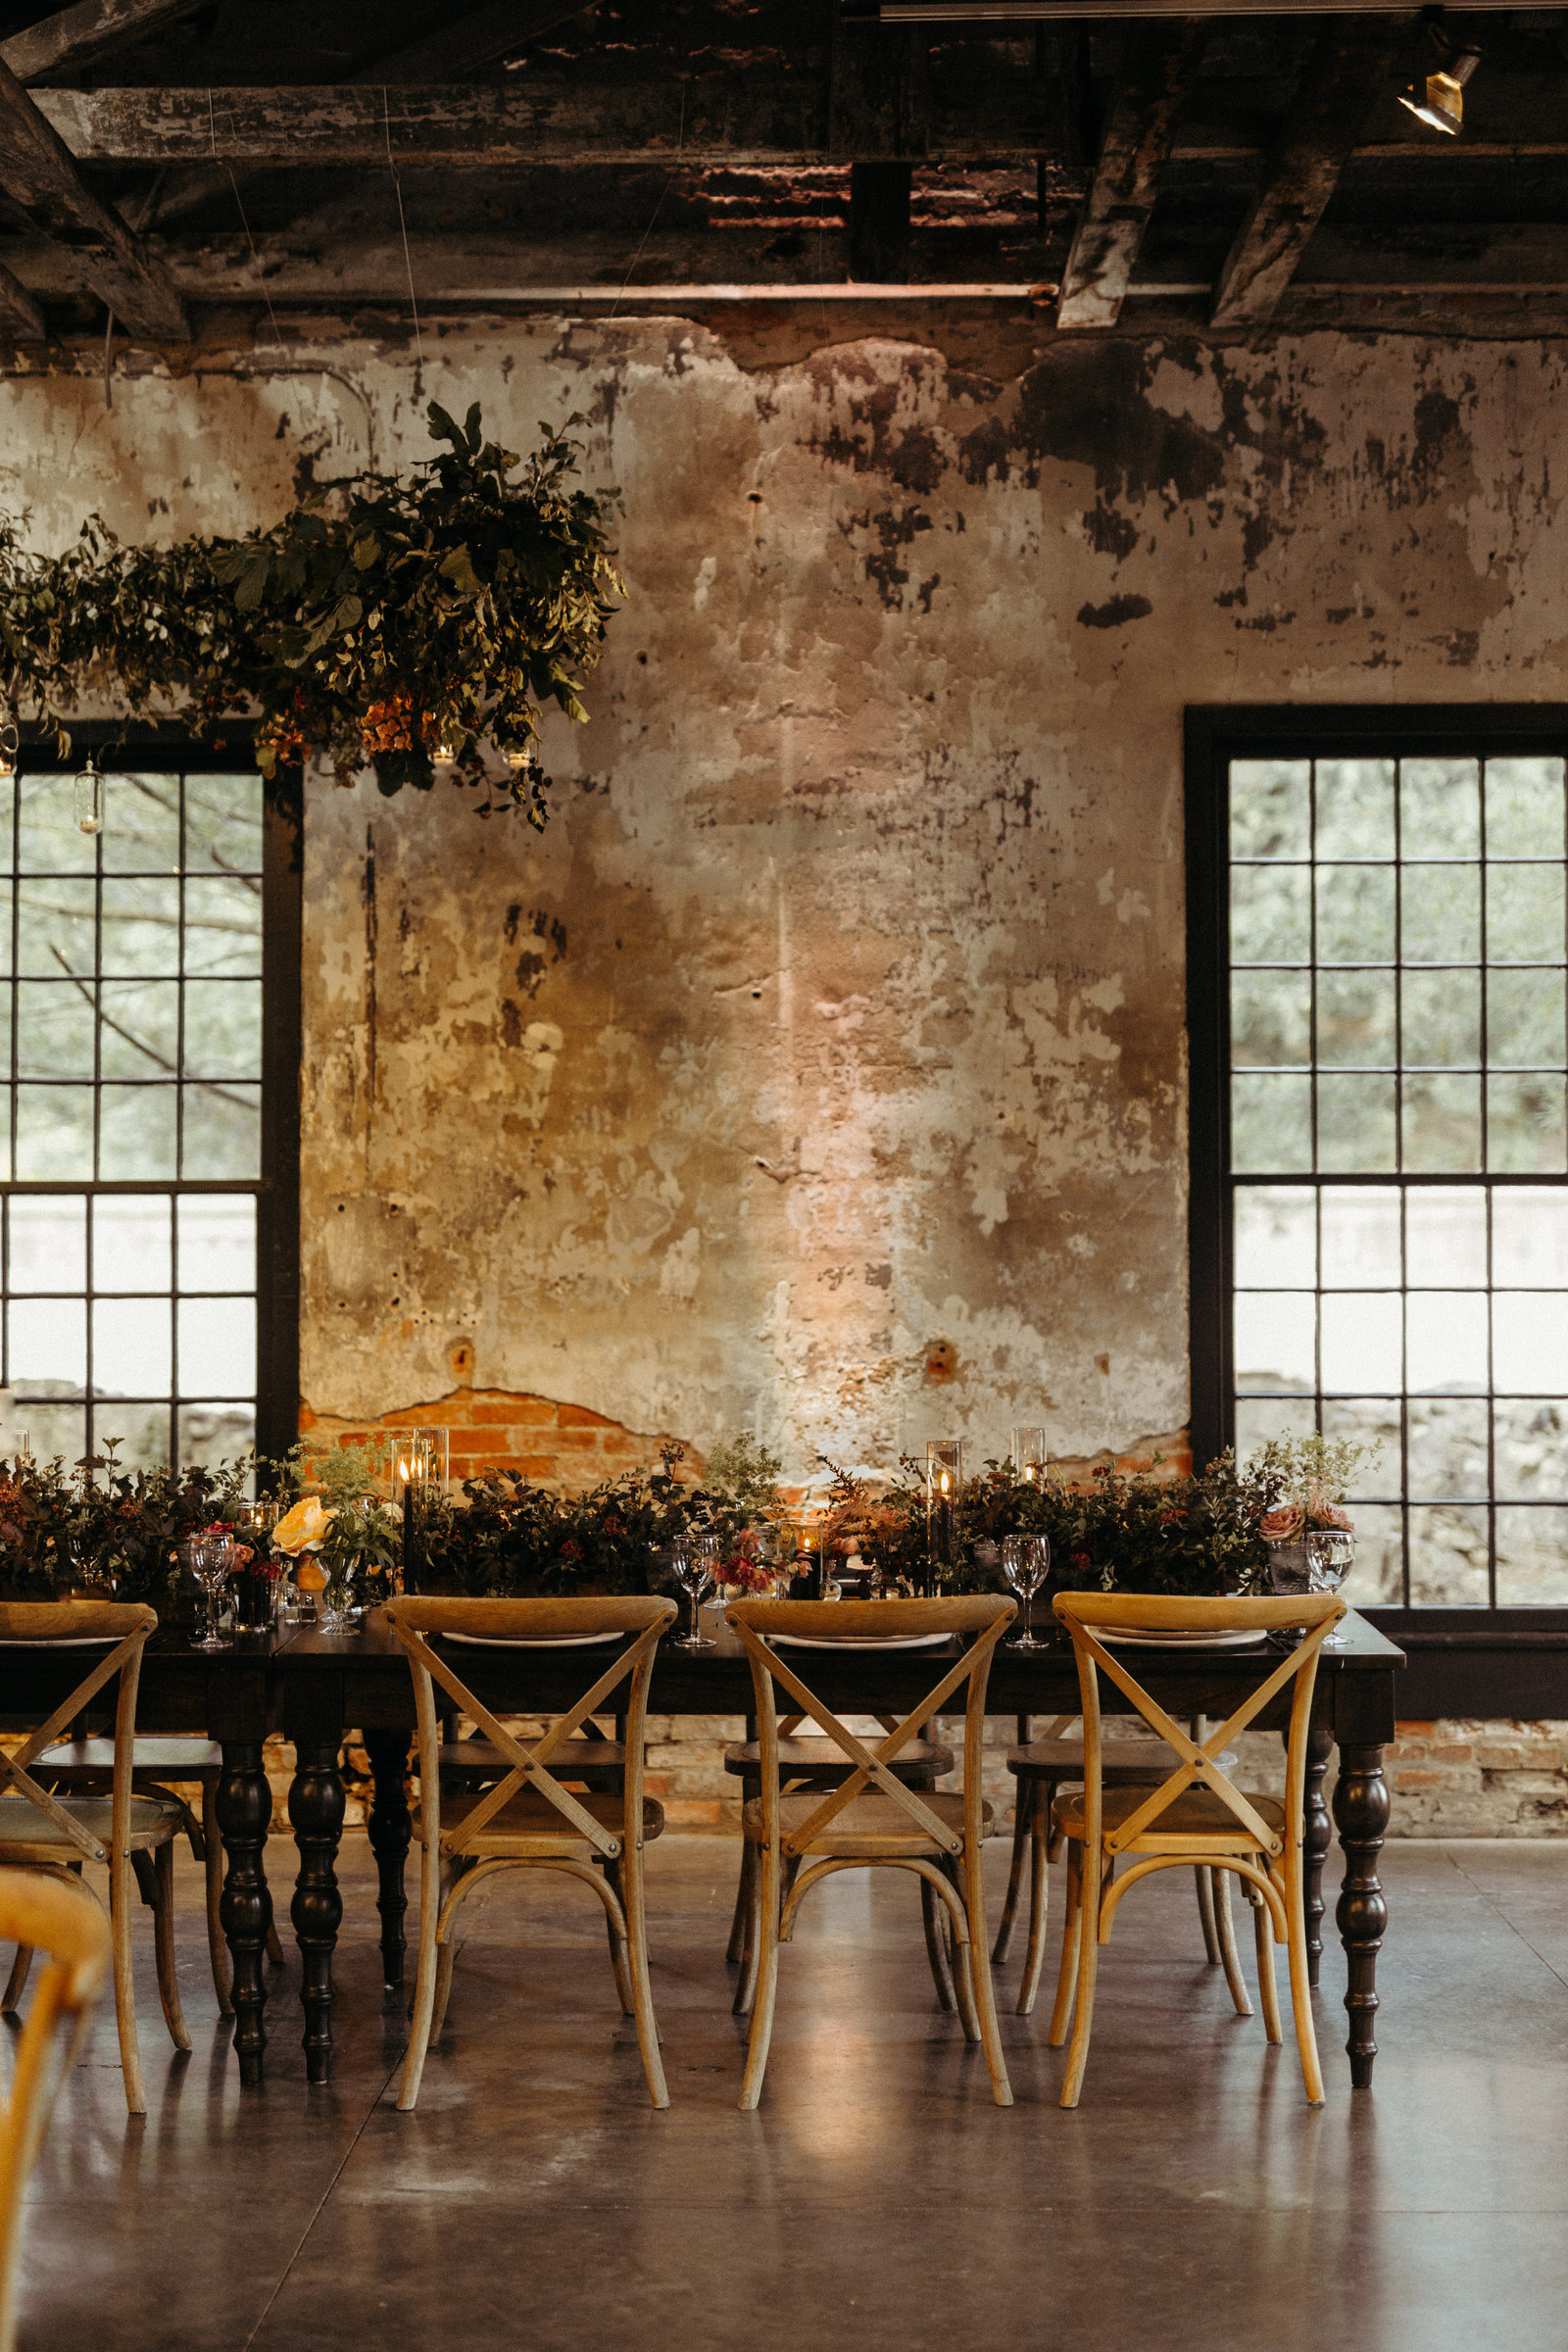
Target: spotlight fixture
1438	98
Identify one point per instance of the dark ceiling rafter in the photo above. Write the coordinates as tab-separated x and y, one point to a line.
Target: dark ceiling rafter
39	175
1345	77
475	41
1156	74
78	36
21	319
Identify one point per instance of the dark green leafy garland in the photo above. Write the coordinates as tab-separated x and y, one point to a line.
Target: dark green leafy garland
380	621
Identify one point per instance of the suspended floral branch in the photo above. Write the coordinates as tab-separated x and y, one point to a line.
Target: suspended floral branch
399	624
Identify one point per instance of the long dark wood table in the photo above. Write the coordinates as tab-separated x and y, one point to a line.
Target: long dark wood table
316	1687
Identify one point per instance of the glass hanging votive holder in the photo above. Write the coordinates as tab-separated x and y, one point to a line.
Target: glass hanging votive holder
1029	1461
944	1483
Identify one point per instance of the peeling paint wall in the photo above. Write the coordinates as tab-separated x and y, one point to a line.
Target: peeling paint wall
838	1012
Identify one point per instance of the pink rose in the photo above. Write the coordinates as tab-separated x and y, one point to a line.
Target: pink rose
1330	1514
1283	1524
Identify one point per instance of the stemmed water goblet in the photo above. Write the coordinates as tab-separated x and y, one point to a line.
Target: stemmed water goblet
1024	1561
211	1560
1330	1557
693	1570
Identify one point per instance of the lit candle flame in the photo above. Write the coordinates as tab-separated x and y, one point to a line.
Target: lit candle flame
943	1481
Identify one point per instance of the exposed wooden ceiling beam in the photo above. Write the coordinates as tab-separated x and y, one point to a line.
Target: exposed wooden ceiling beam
39	175
21	317
1348	74
94	28
1156	71
475	41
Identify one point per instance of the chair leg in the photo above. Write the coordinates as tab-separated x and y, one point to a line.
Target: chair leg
1301	1978
212	1860
1088	1969
963	1969
932	1914
425	1983
446	1962
164	1947
1225	1926
752	1950
1267	1989
16	1982
766	1931
120	1882
735	1949
1023	1815
1039	1898
641	1989
1067	1976
617	1948
1204	1881
974	1892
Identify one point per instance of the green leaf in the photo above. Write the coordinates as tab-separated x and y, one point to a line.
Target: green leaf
457	567
253	583
367	551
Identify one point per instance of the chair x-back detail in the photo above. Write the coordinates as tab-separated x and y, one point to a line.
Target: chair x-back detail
528	1819
872	1818
1196	1815
132	1835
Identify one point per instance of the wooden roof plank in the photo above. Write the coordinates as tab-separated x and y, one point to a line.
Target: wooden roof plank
93	28
22	320
1156	73
475	41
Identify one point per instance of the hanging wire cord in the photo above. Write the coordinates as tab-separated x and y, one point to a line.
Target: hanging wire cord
408	262
256	260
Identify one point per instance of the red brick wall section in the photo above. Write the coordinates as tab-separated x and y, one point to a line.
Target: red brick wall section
560	1446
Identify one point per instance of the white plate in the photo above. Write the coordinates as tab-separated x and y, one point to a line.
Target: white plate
67	1641
855	1642
1146	1637
534	1640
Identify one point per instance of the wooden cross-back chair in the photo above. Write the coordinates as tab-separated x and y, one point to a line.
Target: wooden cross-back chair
132	1835
70	1930
1196	1815
872	1819
527	1820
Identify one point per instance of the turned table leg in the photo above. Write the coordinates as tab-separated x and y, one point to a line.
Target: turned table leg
315	1810
244	1802
389	1831
1361	1813
1319	1838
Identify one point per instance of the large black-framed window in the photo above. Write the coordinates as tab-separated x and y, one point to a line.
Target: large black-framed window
149	1103
1378	1019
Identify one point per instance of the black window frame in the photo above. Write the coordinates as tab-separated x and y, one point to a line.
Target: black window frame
1215	735
276	1189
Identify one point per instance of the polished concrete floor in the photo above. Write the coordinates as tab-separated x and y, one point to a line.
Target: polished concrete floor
879	2199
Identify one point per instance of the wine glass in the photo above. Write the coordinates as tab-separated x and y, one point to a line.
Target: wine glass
711	1550
692	1570
1024	1561
1330	1557
211	1560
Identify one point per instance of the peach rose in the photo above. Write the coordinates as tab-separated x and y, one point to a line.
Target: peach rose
1283	1524
304	1528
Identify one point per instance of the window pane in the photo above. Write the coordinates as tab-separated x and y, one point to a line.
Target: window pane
1529	1236
54	1431
1439	908
1442	1020
54	1029
1448	1557
1525	1023
1523	808
137	1132
1532	1557
1274	1245
1530	1439
1361	1342
223	823
1274	1340
1446	1340
140	1034
55	929
1445	1237
1271	1123
1356	1019
49	839
141	824
1355	1123
1526	1126
1530	1342
1260	1418
215	1433
1360	1238
141	925
48	1243
48	1340
1356	914
1271	1018
1378	1576
216	1242
1270	914
1371	1421
1447	1454
130	1242
1356	809
222	1131
1270	809
139	1433
224	1029
1525	915
130	1346
1439	807
224	927
53	1132
217	1347
1442	1123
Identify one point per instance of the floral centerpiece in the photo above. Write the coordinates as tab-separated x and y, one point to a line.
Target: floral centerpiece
1310	1477
341	1534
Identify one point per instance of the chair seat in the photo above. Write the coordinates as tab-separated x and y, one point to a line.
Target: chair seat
598	1762
1196	1812
824	1761
29	1834
870	1825
1125	1763
179	1757
529	1824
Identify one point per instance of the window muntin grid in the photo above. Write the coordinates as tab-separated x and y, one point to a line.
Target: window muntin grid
1399	976
131	1123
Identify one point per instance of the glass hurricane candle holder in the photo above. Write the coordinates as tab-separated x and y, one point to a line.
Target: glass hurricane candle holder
944	1483
1029	1456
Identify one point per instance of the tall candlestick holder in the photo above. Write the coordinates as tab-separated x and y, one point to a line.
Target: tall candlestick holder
944	1483
418	1461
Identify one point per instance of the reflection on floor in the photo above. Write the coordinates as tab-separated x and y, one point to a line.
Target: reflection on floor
878	2198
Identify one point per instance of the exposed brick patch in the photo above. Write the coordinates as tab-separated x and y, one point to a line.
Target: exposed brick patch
560	1445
